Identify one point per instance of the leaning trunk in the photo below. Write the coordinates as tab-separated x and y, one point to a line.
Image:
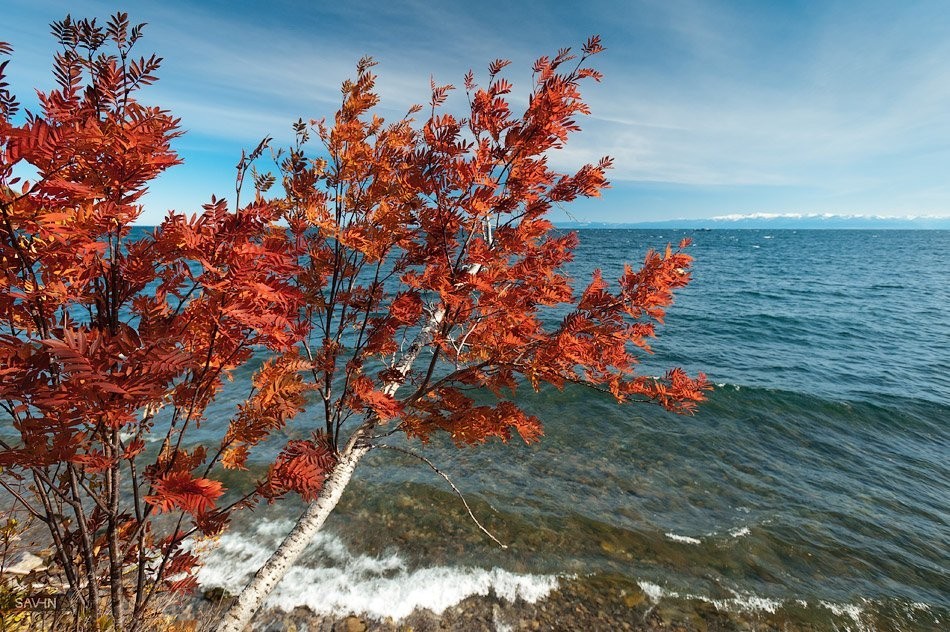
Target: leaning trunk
252	597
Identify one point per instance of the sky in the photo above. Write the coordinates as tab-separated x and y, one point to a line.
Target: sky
708	108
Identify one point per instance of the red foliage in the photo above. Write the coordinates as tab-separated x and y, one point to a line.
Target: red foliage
301	467
110	334
430	266
178	490
405	265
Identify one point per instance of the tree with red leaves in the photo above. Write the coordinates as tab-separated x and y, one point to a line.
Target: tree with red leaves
114	341
402	265
428	265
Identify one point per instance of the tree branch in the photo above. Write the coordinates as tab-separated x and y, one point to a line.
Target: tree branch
451	484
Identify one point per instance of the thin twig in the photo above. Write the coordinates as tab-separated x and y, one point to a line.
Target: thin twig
451	484
33	512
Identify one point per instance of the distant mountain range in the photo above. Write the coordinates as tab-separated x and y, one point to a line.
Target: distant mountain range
780	221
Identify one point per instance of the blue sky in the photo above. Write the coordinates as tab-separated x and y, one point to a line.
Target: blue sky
708	108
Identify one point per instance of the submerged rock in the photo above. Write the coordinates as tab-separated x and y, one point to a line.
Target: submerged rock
350	624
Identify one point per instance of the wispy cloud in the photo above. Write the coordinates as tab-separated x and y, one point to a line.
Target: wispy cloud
704	106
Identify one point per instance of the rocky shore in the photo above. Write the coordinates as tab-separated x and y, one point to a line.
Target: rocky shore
608	603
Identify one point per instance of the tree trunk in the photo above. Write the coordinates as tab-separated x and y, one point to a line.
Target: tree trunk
266	579
254	594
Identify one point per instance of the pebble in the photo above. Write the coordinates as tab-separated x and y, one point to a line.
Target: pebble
632	600
351	624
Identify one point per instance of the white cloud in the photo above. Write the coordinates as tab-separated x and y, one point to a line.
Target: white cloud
850	105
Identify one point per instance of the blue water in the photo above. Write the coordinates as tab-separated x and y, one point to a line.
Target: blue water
817	477
846	315
815	480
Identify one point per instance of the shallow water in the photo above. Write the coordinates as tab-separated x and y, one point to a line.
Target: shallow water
817	476
815	480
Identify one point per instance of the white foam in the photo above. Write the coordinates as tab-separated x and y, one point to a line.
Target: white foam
740	602
685	539
331	580
278	528
747	603
739	532
654	592
847	609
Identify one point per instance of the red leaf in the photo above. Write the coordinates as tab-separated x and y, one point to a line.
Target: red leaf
302	467
178	490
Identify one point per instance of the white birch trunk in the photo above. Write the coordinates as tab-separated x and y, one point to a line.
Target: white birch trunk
249	601
252	597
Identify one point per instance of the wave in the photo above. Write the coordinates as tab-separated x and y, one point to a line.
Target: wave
332	580
851	611
861	615
868	405
738	603
849	616
684	539
739	532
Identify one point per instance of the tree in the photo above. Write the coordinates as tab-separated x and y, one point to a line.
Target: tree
428	268
112	337
403	265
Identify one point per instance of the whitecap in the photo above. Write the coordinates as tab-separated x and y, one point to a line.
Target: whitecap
842	610
332	580
747	603
654	592
685	539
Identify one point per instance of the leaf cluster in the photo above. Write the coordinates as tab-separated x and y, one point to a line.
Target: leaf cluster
429	267
399	277
114	340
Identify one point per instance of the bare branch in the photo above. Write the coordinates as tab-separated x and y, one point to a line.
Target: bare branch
451	484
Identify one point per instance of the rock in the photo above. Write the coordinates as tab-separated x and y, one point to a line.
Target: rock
350	624
706	610
634	599
216	594
23	562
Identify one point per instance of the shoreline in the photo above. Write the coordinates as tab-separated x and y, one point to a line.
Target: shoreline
600	602
574	605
